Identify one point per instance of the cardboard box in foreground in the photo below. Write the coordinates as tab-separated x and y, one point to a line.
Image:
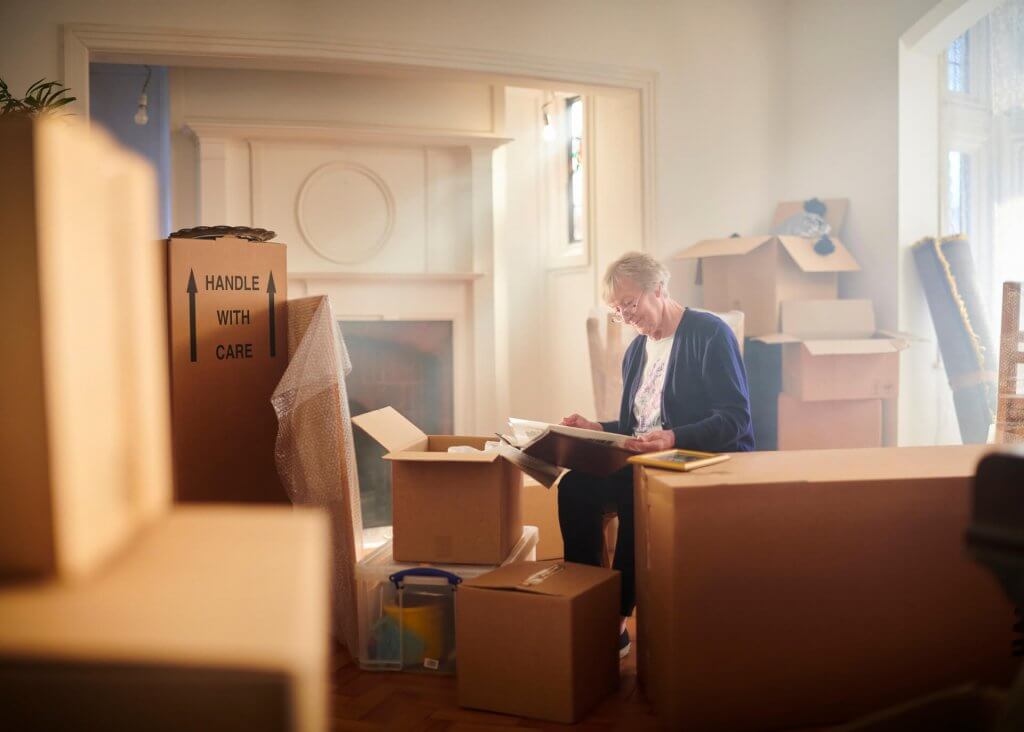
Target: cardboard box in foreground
538	639
449	508
779	590
229	349
216	619
85	427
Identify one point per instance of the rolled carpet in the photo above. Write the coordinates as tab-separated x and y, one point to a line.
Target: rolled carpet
950	286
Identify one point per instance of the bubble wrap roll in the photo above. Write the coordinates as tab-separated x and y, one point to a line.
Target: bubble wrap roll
315	453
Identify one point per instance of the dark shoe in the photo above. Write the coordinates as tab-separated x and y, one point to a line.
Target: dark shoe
624	644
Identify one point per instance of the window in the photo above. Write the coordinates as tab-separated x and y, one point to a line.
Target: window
958	187
565	151
575	187
957	72
980	134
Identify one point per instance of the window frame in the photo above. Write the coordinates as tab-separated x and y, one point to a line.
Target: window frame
563	253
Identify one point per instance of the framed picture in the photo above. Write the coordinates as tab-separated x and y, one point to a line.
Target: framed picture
684	460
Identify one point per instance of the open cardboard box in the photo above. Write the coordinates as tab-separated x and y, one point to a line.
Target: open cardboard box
833	351
453	508
755	274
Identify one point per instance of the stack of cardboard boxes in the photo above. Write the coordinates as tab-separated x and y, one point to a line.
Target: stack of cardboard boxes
818	371
526	633
116	610
837	370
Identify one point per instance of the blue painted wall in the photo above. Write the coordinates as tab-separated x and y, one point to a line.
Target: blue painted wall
113	99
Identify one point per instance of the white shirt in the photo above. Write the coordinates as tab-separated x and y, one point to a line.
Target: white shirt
647	402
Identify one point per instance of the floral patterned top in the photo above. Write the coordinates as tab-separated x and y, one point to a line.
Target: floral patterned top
647	403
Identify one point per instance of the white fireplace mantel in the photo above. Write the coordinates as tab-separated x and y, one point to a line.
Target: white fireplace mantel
435	259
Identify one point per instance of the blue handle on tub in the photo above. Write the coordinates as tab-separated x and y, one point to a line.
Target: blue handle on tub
397	577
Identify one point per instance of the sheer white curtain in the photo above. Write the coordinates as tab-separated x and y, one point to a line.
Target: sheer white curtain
982	136
1006	50
1006	25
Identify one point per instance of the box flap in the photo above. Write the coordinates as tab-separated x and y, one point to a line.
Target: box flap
835	212
846	347
828	319
391	430
724	247
776	338
442	457
803	253
899	335
554	579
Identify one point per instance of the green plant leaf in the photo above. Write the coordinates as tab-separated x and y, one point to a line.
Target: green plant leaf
42	96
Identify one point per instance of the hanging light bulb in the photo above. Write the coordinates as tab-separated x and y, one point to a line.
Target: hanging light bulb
548	133
142	112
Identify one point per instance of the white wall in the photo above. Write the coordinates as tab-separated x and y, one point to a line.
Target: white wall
720	127
841	133
113	100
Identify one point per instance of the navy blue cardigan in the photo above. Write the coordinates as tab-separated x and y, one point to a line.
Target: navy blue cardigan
705	401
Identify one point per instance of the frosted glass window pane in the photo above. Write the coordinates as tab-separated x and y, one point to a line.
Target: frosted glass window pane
956	66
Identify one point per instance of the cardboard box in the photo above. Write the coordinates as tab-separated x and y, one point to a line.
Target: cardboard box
779	590
85	431
540	509
754	274
448	508
538	639
228	351
215	619
831	350
820	425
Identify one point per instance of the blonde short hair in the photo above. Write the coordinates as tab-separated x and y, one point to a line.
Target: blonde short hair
637	267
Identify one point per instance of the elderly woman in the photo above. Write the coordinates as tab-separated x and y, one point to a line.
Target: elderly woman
683	385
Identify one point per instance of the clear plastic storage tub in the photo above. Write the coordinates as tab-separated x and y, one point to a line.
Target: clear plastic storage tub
407	611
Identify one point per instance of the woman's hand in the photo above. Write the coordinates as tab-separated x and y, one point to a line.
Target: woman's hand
654	441
575	420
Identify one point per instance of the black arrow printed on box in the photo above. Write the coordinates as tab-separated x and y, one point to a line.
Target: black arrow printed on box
271	291
192	315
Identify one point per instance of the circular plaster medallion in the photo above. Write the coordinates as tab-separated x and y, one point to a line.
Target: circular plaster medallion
345	211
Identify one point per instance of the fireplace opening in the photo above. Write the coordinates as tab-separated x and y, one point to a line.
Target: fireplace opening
405	364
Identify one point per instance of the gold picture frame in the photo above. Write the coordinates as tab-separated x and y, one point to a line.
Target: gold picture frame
676	459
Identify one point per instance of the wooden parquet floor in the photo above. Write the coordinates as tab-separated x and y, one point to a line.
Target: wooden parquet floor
366	700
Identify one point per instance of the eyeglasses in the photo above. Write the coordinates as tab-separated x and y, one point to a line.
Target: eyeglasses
626	312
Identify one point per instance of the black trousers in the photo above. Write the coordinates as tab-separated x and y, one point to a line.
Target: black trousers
583	500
